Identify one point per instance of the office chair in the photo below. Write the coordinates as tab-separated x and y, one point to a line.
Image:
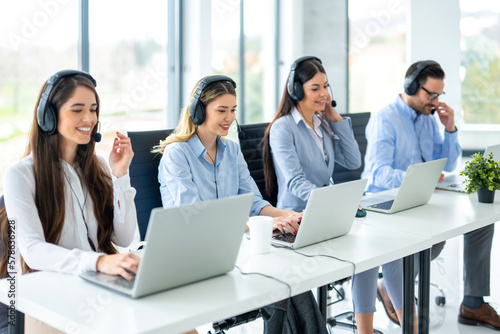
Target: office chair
143	173
359	122
4	319
251	147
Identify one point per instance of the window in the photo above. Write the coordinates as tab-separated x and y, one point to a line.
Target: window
377	53
128	58
257	101
480	70
38	40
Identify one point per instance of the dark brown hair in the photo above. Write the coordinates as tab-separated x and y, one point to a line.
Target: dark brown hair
304	72
433	71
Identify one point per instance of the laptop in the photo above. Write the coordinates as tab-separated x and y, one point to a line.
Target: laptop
455	182
329	213
184	245
416	189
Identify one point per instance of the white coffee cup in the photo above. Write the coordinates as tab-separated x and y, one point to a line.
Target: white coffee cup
261	230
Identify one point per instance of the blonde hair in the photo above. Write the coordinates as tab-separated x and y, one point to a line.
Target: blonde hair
186	127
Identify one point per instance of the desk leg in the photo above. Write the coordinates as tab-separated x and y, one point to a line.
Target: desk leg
322	298
19	327
408	295
424	281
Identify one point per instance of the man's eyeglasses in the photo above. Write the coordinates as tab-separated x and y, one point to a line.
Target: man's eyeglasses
432	96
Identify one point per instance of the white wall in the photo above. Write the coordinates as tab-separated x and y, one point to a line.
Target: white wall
434	33
317	28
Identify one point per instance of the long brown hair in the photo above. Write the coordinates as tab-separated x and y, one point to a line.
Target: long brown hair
49	175
304	72
5	242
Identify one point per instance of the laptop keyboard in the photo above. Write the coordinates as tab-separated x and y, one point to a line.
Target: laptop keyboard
384	205
286	237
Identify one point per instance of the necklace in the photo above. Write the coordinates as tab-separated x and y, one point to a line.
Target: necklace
313	128
91	243
211	159
311	124
215	175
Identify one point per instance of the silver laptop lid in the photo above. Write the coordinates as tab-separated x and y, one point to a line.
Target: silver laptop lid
330	212
495	149
416	189
418	184
191	243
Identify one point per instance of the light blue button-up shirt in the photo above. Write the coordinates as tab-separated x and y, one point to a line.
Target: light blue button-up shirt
187	177
300	164
397	138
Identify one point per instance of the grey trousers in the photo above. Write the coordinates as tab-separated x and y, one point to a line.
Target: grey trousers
297	315
477	260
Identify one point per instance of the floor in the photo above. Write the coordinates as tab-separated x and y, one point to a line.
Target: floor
446	271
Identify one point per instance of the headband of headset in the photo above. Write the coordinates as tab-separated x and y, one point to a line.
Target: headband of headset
411	83
196	109
295	88
45	114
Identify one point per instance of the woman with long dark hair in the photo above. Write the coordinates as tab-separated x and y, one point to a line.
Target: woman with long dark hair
69	207
301	146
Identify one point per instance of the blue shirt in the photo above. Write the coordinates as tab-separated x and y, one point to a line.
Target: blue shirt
187	177
397	138
300	164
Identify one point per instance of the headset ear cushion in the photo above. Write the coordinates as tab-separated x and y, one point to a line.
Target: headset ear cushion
411	88
299	92
199	114
50	120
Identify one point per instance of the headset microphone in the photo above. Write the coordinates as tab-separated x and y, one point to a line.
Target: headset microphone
98	136
334	103
237	128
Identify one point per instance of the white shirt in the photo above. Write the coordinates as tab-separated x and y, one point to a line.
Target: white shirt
73	253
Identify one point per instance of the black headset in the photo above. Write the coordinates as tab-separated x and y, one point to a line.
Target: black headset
46	115
411	83
196	109
294	88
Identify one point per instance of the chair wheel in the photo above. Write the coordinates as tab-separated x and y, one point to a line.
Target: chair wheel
440	300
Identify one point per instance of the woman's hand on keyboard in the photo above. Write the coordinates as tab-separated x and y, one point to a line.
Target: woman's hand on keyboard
118	264
290	222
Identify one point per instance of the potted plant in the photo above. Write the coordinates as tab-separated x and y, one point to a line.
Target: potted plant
482	174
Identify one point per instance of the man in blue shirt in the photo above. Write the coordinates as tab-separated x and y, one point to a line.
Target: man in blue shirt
406	132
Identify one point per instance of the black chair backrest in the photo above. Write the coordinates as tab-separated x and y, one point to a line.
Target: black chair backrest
143	173
359	122
252	152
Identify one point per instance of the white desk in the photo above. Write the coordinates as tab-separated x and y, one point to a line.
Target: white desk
448	214
71	304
